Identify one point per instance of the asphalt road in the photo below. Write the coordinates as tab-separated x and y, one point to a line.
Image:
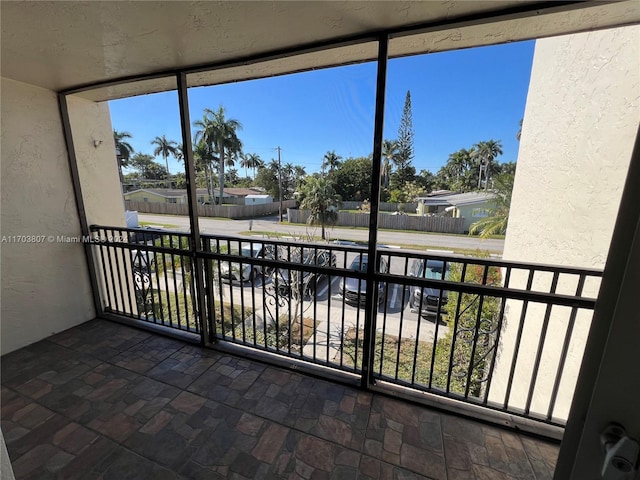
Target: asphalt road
271	224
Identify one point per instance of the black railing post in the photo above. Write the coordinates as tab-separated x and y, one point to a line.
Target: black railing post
372	264
195	244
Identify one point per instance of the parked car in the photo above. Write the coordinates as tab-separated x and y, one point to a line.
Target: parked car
281	277
354	290
231	272
430	269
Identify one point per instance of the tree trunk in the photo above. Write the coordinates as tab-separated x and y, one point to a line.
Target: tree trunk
166	162
486	175
120	175
221	174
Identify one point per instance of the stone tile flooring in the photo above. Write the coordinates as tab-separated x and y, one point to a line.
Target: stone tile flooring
107	401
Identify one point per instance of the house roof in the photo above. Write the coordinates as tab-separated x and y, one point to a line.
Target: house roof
457	199
258	196
173	192
240	192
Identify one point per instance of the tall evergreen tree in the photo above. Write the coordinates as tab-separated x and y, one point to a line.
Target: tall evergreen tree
405	133
404	172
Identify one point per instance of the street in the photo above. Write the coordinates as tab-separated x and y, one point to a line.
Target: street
270	224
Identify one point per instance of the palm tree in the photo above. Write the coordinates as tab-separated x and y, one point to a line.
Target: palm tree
486	152
124	150
204	162
244	162
331	161
390	154
459	170
165	148
320	198
219	133
180	152
496	222
251	160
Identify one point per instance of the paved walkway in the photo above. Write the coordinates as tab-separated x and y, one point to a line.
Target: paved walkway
106	401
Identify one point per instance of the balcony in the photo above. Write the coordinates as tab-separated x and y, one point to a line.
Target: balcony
497	340
104	400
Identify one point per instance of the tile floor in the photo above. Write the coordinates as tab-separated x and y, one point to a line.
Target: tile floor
107	401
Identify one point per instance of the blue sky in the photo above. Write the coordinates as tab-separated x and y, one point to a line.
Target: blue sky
458	98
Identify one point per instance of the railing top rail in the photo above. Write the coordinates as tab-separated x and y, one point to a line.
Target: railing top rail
286	243
493	291
381	251
97	228
492	262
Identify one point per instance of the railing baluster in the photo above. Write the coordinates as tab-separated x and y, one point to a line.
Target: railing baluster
456	318
156	269
516	348
175	284
355	360
406	266
384	320
342	311
264	305
241	286
223	329
166	280
314	332
127	268
232	310
116	256
543	336
254	278
187	307
437	322
503	305
209	290
565	349
475	335
107	286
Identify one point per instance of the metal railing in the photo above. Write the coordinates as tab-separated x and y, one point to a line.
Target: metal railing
502	335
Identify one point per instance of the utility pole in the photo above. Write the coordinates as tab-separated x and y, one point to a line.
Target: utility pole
280	182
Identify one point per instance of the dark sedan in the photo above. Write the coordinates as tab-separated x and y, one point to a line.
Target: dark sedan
300	282
427	299
354	290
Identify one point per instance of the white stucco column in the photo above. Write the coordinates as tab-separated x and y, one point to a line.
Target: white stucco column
580	123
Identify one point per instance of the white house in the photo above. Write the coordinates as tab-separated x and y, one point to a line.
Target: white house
257	199
472	206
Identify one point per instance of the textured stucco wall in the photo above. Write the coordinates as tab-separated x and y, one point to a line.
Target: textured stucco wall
45	286
97	166
580	123
101	190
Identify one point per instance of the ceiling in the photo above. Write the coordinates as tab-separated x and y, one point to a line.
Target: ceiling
65	44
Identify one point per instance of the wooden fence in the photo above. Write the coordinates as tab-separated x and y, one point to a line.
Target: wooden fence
224	211
393	222
384	206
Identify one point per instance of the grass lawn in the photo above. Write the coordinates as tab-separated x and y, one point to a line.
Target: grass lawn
158	225
386	356
178	310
